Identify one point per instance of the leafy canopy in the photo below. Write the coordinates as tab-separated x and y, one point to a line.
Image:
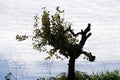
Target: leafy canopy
55	32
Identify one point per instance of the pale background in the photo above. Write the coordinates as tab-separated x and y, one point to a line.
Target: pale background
25	63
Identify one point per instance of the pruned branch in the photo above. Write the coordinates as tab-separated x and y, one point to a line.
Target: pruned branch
89	56
88	28
85	35
89	35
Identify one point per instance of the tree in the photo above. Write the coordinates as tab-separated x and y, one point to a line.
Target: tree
55	32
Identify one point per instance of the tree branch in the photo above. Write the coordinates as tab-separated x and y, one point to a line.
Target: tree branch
89	35
71	31
85	35
89	55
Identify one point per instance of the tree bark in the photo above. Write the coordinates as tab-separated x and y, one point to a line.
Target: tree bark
71	69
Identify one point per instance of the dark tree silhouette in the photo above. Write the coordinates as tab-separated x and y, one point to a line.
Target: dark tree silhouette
57	33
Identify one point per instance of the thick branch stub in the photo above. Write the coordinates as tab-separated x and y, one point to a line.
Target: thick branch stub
85	35
89	35
88	28
89	55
